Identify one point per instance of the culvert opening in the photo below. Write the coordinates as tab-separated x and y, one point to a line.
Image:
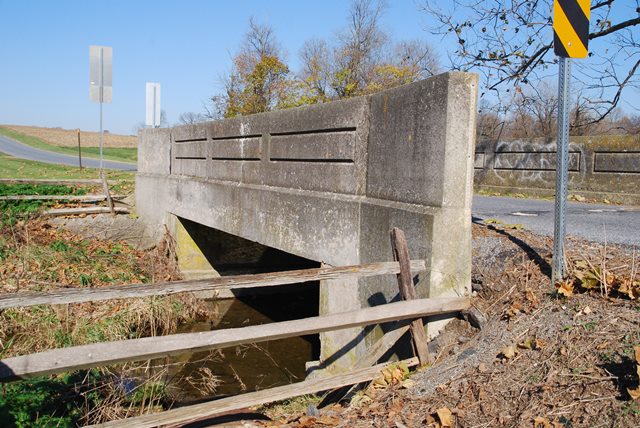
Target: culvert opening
250	367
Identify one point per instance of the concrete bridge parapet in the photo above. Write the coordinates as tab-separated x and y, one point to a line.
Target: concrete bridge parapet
328	182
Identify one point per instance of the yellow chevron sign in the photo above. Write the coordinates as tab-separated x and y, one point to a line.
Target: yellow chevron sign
571	28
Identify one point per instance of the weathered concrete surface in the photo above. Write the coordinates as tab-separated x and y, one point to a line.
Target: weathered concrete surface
328	182
604	167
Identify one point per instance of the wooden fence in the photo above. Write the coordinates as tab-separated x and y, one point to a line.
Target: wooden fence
407	315
106	196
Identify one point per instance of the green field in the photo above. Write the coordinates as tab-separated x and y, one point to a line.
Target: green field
119	154
11	167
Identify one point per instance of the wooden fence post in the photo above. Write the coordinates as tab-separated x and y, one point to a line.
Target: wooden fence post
107	194
79	150
408	292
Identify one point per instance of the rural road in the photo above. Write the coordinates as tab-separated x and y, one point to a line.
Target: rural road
594	222
19	150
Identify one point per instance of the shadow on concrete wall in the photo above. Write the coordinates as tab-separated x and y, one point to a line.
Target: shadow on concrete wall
232	255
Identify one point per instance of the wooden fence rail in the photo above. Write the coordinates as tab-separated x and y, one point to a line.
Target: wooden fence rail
198	412
56	181
77	295
99	354
81	198
406	314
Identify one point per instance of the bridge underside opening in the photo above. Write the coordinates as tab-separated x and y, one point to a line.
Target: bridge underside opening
205	251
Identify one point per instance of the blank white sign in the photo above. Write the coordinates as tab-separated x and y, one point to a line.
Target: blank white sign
100	73
153	105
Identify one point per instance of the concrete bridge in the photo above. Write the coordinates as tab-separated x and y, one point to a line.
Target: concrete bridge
327	183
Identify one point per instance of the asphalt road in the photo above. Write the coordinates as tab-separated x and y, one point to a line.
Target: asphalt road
594	222
19	150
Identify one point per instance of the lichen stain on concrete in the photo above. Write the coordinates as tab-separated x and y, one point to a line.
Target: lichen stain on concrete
191	261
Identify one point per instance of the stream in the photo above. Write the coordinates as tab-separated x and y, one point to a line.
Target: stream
249	367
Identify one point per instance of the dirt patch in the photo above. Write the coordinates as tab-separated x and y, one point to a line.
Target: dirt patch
132	230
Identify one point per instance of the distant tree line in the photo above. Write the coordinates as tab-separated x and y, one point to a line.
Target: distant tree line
534	116
508	42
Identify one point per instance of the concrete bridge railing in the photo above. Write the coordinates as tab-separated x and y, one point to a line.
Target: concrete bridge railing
605	167
328	182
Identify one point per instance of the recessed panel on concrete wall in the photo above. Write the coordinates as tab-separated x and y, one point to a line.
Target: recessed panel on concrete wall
625	162
533	161
196	167
190	150
241	148
334	177
189	133
478	161
324	146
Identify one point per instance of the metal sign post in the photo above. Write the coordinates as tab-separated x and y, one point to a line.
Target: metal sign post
100	81
562	169
153	115
570	40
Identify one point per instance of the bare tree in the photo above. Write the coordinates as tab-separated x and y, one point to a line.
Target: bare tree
418	57
260	41
317	68
533	114
190	118
509	42
363	59
490	123
359	47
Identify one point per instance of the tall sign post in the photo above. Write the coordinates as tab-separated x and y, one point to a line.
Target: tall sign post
570	40
100	81
152	117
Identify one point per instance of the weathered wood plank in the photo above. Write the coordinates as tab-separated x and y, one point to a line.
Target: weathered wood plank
85	210
99	354
408	292
83	198
198	412
54	181
78	295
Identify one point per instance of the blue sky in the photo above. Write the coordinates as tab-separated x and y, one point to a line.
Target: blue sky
184	45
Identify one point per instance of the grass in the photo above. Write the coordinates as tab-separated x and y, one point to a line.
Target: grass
11	211
120	154
35	256
78	398
11	167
